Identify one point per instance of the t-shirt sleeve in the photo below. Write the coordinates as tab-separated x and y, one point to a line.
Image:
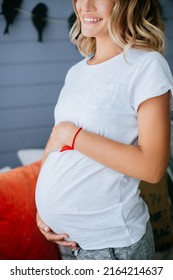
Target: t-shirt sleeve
152	78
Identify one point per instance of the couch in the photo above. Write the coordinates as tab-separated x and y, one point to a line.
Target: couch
20	238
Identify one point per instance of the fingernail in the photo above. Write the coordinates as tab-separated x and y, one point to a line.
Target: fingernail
46	229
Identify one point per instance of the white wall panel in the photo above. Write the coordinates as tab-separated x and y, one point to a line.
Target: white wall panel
31	77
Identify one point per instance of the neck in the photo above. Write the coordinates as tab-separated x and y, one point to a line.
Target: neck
104	51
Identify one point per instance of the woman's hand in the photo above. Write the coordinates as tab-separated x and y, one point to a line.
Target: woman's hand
59	239
61	135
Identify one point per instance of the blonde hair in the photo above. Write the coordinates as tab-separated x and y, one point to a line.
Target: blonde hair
133	23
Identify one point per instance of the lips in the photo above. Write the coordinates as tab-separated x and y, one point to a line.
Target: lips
92	20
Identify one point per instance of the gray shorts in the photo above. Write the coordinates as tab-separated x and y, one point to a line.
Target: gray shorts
142	250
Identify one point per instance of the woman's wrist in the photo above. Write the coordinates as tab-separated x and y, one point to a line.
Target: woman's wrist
71	135
75	135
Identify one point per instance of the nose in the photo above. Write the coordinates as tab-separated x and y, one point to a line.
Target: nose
87	5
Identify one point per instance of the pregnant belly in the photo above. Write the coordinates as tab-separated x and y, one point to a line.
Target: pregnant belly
80	223
66	200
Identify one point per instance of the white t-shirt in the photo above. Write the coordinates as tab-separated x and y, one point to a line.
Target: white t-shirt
99	207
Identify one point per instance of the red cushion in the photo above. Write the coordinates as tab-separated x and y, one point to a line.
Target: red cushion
20	238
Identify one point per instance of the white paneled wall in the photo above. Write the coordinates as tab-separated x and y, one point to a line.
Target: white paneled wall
32	74
31	77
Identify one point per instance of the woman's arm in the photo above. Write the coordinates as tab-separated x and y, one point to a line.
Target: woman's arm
147	161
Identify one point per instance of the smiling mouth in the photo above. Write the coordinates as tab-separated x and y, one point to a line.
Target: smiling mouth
92	20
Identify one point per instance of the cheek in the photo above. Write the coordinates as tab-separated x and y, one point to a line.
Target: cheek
77	5
77	9
107	9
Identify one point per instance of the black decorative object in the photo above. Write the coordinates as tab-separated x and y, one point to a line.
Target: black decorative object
71	20
39	15
10	10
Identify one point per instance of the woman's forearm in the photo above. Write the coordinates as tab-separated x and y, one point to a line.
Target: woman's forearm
127	159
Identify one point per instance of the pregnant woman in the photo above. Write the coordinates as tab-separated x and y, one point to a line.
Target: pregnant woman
112	129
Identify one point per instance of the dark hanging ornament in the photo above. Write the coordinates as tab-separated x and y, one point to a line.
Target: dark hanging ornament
71	20
39	15
10	10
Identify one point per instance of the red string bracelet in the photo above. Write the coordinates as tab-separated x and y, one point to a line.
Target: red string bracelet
65	148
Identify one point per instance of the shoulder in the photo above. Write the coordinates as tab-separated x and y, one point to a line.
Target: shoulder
147	62
153	58
144	57
152	77
74	70
77	67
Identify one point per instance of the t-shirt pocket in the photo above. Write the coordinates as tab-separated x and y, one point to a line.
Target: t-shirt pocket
103	96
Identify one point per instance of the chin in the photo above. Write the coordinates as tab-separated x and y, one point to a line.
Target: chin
87	34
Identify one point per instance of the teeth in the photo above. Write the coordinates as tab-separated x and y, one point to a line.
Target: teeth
92	19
